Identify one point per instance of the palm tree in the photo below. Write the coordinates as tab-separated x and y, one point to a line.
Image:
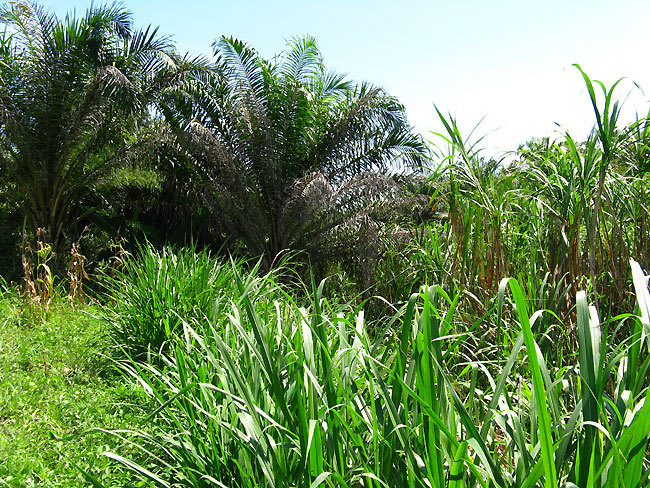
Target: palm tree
72	93
292	153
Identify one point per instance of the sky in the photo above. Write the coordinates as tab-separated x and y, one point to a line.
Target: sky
507	65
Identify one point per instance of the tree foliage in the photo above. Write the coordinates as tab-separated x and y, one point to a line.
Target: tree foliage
73	93
292	153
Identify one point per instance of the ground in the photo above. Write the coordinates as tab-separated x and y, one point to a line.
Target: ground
57	383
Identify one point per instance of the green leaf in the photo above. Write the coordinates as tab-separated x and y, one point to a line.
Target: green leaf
543	419
458	467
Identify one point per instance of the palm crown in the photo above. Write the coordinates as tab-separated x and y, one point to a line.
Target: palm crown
70	90
282	141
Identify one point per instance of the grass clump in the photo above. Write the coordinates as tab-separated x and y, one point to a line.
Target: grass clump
155	290
278	393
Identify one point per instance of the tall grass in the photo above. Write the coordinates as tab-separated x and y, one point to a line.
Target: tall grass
154	291
561	216
274	392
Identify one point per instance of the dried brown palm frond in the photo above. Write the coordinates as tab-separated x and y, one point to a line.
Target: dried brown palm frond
349	222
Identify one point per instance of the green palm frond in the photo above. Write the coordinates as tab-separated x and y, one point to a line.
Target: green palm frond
264	132
72	90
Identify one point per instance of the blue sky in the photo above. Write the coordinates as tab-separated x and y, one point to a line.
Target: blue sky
507	61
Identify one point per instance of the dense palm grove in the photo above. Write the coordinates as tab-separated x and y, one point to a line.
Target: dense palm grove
297	289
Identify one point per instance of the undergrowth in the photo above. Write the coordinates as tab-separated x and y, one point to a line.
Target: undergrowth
284	390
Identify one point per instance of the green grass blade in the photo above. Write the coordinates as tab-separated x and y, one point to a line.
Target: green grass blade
270	367
588	340
640	282
138	469
543	418
634	443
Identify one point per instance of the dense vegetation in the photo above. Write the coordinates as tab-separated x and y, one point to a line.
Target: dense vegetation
252	272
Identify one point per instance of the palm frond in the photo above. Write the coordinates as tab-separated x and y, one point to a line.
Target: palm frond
302	60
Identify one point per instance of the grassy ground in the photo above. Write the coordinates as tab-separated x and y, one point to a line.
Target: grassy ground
55	383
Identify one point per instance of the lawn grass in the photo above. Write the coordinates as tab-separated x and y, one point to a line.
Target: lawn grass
55	383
